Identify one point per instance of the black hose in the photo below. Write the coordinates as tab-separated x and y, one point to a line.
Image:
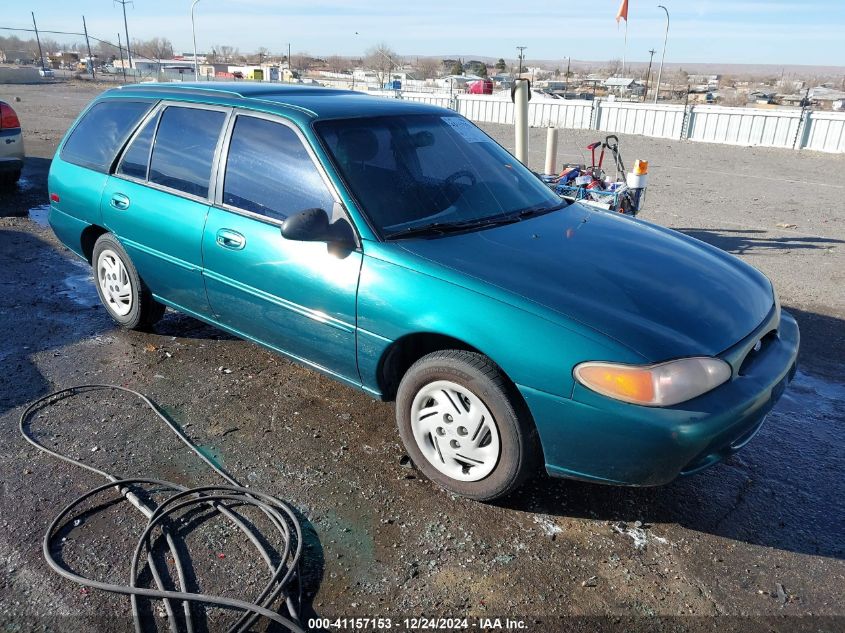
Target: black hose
284	576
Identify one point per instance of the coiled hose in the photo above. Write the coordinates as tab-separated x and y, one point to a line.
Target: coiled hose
284	575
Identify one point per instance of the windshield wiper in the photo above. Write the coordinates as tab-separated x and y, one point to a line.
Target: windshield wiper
532	211
441	228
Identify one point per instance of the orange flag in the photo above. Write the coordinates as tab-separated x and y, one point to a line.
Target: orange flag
622	14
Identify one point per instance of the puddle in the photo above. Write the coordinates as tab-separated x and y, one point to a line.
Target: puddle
813	392
25	184
40	214
80	289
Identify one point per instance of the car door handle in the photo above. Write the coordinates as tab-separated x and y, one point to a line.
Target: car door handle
230	239
119	201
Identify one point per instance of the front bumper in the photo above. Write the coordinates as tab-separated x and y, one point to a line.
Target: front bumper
599	439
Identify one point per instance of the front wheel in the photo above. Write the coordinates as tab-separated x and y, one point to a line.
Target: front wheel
464	425
124	295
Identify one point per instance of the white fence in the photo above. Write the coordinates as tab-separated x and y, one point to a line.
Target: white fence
825	132
785	128
744	126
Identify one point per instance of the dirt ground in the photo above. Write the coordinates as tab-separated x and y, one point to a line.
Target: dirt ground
753	544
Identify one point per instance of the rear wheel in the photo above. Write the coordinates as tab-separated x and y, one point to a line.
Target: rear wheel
464	426
124	295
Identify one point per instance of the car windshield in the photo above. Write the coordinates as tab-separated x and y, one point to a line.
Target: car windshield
426	173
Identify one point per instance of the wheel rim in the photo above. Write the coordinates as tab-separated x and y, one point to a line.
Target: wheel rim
115	284
455	431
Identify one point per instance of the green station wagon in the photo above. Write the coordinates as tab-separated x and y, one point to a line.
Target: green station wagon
396	247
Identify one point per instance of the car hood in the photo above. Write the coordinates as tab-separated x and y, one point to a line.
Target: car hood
658	292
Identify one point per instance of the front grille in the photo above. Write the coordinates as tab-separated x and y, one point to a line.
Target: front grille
755	352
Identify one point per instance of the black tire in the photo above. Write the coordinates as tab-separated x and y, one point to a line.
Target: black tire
519	446
144	311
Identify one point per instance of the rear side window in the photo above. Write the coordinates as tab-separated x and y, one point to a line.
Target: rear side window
137	156
184	146
269	171
97	138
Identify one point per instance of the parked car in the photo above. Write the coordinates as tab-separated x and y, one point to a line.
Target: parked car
397	248
46	72
11	146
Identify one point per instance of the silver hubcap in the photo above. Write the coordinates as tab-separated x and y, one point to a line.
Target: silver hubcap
455	431
114	283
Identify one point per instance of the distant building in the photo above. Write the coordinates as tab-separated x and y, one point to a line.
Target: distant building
710	81
623	86
826	96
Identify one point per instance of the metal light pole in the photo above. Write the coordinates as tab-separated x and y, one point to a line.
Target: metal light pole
663	58
194	33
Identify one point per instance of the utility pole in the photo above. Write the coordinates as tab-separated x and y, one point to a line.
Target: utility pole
290	68
568	60
120	50
88	45
126	29
521	50
648	72
38	40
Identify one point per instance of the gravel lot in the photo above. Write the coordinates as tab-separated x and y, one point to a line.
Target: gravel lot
756	541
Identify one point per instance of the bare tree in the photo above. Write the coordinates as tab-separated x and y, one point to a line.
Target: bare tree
224	52
105	51
381	59
614	66
157	48
337	64
301	62
427	67
50	46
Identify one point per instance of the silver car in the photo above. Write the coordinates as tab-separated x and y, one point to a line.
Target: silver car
11	146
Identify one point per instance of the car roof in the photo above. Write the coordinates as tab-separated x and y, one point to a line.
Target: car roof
313	102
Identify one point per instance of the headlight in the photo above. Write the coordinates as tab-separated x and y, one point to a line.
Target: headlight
660	385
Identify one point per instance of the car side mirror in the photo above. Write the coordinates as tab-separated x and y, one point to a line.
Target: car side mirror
310	225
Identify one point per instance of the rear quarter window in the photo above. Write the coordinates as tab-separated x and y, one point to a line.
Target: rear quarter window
99	135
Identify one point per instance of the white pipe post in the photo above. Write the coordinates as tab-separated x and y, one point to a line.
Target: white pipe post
520	119
194	32
551	151
663	58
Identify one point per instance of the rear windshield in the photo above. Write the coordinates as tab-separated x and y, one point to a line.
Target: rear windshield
411	171
98	137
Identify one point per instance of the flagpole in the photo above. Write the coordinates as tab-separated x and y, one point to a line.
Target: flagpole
625	49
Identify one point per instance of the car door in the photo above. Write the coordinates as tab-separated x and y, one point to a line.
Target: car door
297	297
157	200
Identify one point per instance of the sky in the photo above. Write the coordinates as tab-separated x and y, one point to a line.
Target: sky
719	31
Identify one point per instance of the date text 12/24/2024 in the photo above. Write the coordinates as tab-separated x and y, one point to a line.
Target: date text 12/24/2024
418	624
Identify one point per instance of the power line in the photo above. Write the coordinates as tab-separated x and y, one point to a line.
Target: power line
96	39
